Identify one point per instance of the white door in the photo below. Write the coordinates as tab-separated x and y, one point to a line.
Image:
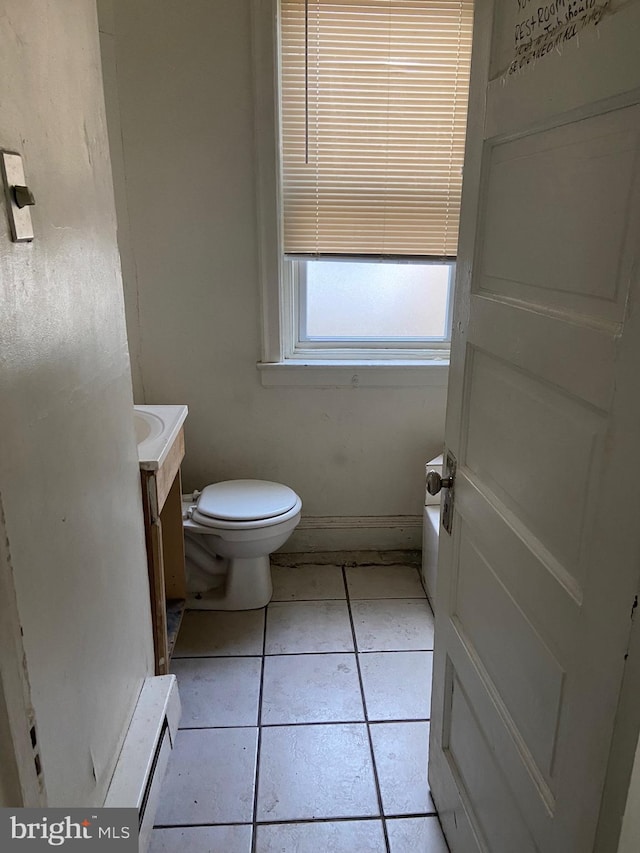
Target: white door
536	581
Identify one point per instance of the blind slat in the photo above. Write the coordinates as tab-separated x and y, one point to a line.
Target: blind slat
374	101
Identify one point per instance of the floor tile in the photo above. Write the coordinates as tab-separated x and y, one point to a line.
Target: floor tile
308	626
218	691
397	685
384	582
315	759
210	778
401	624
307	583
349	836
311	689
416	835
207	632
202	839
401	753
309	772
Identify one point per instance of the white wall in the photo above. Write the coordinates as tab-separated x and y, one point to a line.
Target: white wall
69	478
186	110
106	26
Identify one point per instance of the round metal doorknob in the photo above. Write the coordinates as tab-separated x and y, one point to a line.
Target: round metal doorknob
435	482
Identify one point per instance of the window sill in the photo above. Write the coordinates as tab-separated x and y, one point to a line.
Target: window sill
351	373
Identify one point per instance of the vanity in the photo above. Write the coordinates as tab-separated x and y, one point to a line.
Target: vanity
160	437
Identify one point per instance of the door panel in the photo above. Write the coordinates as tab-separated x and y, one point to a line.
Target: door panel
495	730
503	328
475	765
600	65
548	430
499	635
563	232
547	597
537	580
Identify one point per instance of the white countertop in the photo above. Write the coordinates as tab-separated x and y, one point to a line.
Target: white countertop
157	428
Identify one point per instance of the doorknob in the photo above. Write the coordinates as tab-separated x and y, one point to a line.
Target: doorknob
435	482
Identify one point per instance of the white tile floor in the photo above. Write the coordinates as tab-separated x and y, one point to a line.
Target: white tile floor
305	725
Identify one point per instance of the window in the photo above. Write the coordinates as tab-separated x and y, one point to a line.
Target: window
372	98
352	301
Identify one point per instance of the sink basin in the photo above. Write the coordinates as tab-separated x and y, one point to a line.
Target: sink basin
148	426
156	428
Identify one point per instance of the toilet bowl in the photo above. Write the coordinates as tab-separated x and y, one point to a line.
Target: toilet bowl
230	528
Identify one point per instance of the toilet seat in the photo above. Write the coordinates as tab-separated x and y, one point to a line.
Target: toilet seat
244	505
245	500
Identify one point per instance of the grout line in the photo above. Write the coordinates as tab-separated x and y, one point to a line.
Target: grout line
255	656
298	821
259	744
391	598
307	600
342	819
421	597
366	717
294	654
343	569
350	652
216	657
360	722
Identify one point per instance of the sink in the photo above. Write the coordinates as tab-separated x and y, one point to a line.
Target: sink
156	429
148	426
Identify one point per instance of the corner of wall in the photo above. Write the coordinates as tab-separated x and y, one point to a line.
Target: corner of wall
108	53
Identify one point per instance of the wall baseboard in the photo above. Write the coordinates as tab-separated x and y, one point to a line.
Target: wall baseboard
356	533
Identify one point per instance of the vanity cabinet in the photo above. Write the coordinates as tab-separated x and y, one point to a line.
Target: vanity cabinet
162	508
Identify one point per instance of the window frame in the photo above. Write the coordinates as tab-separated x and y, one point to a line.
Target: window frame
284	359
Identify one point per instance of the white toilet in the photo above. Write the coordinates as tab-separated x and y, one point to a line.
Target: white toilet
230	529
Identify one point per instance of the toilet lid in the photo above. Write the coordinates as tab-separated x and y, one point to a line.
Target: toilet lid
245	500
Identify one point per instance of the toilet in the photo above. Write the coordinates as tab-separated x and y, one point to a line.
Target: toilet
230	528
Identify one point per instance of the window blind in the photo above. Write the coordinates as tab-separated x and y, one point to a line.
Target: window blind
374	105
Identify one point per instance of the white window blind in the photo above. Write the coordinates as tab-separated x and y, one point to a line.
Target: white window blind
374	105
